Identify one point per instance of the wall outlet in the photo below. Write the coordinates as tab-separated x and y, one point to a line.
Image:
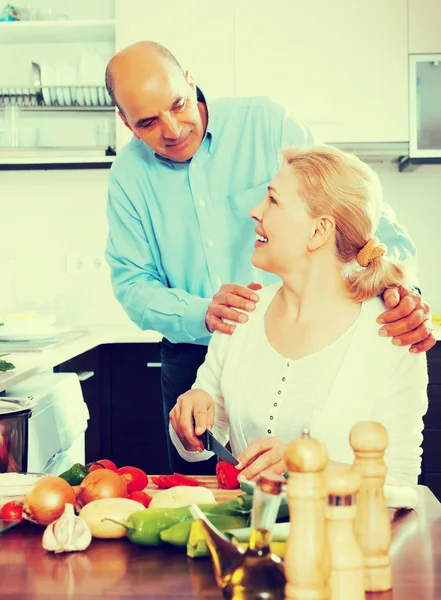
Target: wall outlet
84	263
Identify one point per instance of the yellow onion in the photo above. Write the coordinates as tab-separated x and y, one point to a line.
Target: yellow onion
46	501
101	484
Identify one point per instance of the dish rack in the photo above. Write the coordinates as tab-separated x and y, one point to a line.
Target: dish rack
85	97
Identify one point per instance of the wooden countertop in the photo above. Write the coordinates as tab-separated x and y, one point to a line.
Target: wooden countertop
119	569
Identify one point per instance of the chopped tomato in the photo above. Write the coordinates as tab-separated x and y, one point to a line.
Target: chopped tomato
104	463
185	480
226	475
142	497
12	511
159	482
135	478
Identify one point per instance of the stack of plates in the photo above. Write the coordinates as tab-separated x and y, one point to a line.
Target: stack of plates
28	327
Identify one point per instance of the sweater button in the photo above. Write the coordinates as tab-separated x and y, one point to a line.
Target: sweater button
269	430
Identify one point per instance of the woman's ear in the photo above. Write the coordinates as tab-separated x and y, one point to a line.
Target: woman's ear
321	231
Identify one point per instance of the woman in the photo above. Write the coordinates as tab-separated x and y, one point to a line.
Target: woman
310	355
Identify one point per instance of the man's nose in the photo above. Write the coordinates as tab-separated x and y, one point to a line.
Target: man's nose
171	129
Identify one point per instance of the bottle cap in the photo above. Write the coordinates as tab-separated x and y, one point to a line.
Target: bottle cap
271	483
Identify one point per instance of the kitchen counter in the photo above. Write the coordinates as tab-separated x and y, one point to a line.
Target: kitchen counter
120	569
32	363
28	364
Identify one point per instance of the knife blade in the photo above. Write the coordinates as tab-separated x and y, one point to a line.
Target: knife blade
211	443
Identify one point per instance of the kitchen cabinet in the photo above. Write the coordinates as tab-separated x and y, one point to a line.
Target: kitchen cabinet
200	35
341	66
424	26
431	467
92	376
137	430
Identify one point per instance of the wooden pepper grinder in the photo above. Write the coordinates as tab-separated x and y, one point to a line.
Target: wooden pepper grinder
372	524
347	571
307	567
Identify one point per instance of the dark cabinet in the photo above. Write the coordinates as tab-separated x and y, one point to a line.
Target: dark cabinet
431	466
91	374
137	429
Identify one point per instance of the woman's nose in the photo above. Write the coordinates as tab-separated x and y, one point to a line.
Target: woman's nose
256	213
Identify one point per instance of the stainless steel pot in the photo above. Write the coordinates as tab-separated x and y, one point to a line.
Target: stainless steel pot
14	427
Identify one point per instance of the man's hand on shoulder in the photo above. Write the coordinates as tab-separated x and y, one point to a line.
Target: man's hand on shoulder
407	319
230	297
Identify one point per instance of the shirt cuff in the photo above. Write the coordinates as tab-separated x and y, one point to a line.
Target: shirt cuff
194	456
195	317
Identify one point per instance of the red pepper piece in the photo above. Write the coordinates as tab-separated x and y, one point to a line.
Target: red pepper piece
226	475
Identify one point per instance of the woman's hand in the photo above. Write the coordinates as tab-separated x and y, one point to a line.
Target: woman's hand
265	454
191	416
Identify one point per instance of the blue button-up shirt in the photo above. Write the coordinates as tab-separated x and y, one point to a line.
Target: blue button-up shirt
180	230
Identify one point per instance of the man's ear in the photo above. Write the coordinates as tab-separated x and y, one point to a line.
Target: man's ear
190	81
321	231
126	123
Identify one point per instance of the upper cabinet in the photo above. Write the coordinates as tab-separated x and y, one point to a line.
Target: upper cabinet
424	26
200	35
341	66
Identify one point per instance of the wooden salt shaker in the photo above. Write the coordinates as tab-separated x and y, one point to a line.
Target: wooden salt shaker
347	572
372	524
307	567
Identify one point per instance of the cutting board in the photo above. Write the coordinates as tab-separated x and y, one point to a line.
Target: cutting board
208	481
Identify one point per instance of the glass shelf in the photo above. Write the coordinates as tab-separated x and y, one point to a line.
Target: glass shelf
59	31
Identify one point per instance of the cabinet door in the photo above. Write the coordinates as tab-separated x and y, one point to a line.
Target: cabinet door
88	368
424	26
137	429
200	35
340	66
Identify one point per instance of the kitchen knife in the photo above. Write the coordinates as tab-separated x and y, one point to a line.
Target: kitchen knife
211	443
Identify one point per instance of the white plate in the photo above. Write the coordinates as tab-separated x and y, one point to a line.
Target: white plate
23	336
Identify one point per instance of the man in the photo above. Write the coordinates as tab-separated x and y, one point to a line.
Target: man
179	196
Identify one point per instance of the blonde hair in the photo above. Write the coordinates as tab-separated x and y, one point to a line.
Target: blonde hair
338	184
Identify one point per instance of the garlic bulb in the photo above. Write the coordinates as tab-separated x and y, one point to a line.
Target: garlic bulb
69	533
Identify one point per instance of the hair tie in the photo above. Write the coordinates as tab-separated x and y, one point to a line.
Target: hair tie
372	249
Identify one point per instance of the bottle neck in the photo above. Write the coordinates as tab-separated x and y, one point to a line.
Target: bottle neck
263	518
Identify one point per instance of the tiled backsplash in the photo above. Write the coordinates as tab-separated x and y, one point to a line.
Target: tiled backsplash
47	215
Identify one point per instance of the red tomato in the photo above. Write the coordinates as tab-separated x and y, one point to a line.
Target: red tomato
12	511
142	497
104	463
159	482
135	478
185	480
227	475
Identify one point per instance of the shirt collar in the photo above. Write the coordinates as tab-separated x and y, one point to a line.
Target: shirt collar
200	96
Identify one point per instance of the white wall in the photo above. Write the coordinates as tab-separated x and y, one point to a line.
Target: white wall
46	214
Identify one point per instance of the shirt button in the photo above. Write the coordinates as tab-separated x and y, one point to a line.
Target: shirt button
279	392
211	243
193	164
202	204
287	364
275	404
283	378
269	430
218	282
271	418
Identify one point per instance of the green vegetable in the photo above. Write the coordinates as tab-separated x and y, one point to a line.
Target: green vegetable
145	526
148	527
75	474
179	534
6	366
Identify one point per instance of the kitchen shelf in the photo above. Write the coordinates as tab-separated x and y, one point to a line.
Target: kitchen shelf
59	31
54	158
45	109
